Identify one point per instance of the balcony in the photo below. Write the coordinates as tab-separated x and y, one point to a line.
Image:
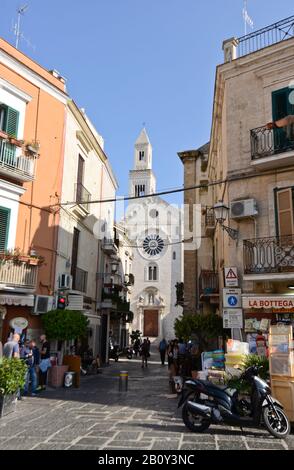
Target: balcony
109	246
269	258
209	221
79	280
82	198
272	148
18	276
18	167
265	37
112	281
209	286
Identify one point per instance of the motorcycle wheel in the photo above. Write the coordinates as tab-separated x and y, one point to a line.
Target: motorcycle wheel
129	356
116	359
194	423
279	429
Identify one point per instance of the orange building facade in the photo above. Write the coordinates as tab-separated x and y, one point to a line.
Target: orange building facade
32	127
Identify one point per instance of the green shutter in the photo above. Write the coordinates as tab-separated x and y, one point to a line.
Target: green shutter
12	118
4	227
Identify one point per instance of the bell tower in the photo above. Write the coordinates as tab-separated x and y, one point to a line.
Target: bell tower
142	179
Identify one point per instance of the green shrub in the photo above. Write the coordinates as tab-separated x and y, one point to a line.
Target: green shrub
250	360
65	325
204	326
12	375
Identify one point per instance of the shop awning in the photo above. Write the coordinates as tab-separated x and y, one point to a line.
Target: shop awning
23	300
276	302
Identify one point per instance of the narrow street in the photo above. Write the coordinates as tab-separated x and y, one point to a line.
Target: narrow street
97	416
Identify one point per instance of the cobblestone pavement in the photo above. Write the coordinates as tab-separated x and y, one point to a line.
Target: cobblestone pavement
97	416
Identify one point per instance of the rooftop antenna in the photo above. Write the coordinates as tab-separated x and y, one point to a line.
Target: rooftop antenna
247	19
20	12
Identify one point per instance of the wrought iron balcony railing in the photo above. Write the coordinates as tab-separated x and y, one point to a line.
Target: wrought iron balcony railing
208	283
265	37
79	280
269	255
83	197
269	142
19	167
18	275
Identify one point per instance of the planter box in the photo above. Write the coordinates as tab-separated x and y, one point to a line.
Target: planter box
7	404
56	375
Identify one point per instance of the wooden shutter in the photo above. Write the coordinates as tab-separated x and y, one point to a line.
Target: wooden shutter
12	118
285	212
4	227
74	255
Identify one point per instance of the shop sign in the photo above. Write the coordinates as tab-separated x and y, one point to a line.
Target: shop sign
19	323
232	298
231	277
233	318
276	303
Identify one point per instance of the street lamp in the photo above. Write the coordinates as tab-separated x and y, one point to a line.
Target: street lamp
221	213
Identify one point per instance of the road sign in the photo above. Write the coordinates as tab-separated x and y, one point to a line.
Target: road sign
231	277
232	298
233	318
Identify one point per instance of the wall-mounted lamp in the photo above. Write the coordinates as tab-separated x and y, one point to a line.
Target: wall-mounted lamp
221	213
114	266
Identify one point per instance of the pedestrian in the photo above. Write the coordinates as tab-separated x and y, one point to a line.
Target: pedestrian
162	350
170	353
195	360
44	363
30	356
144	353
11	347
149	344
176	357
182	355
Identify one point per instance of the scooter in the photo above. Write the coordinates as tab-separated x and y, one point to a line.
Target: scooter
114	353
129	351
205	403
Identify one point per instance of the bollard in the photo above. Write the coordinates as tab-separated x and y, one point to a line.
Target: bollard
123	381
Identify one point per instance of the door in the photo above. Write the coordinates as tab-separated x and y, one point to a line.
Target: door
74	256
151	323
282	107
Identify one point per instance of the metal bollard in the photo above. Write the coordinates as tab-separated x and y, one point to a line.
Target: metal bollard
123	381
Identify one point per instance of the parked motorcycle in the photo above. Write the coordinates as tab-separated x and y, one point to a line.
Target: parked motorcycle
114	352
129	352
205	403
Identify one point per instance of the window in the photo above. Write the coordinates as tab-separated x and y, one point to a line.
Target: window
4	227
9	118
174	255
153	272
285	211
139	190
141	155
80	179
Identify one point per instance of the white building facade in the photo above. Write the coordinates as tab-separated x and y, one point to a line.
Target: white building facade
155	230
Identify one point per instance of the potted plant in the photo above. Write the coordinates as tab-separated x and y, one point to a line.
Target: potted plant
12	378
65	325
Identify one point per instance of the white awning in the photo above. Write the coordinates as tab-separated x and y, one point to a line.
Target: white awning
23	300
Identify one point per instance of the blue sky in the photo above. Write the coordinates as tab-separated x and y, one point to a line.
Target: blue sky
134	61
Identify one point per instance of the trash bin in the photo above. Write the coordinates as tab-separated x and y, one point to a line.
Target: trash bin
123	381
69	378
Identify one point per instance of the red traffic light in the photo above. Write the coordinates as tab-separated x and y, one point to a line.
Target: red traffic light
61	302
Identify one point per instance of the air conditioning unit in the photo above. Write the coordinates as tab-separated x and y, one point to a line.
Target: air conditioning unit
65	281
243	209
43	304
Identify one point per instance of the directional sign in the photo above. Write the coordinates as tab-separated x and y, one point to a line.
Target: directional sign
233	318
231	277
232	298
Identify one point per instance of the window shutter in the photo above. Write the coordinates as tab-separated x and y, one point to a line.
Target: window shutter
285	212
4	227
12	118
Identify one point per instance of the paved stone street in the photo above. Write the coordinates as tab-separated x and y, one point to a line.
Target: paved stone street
97	416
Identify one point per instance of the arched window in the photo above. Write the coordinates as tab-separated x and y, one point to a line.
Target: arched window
153	273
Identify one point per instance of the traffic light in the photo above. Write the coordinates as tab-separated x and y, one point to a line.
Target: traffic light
61	302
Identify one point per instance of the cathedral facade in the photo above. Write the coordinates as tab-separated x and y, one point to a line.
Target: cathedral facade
155	230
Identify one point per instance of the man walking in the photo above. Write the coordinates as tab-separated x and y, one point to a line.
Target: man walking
11	347
30	357
162	350
45	362
144	353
